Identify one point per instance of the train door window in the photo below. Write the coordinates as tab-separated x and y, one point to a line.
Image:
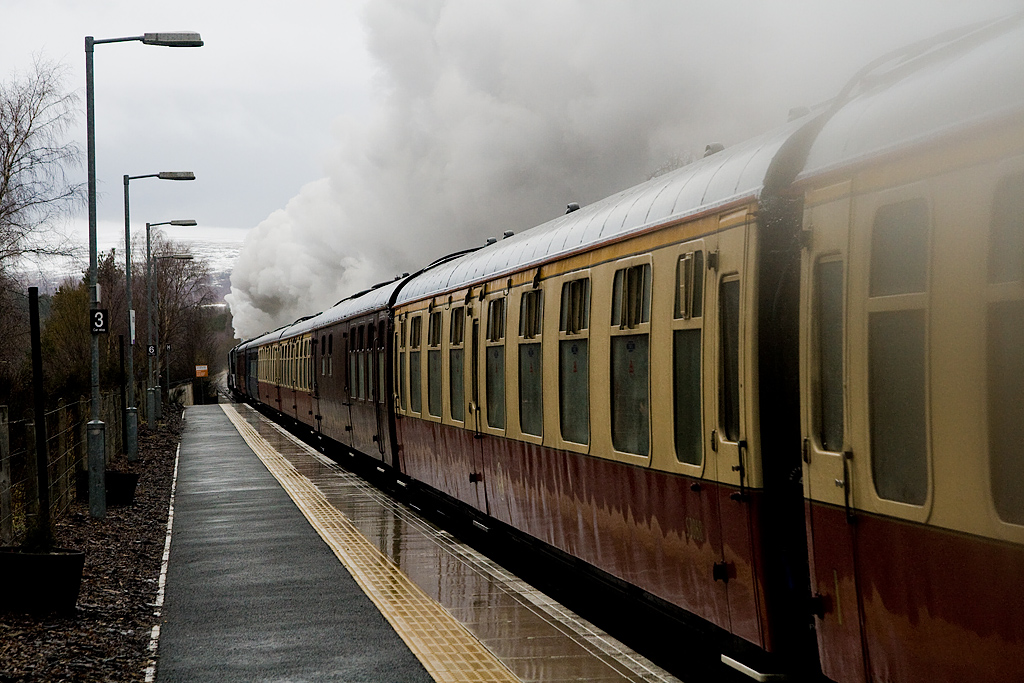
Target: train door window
686	358
729	353
368	356
630	354
380	363
829	305
353	362
361	361
531	412
415	388
574	362
457	364
1005	359
690	285
631	296
494	365
330	354
400	345
897	325
434	364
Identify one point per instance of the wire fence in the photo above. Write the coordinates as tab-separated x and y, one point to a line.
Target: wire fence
66	455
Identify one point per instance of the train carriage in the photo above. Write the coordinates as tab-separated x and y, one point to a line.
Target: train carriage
781	388
912	347
593	383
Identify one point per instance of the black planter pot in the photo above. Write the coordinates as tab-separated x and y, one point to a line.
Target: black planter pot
120	486
40	583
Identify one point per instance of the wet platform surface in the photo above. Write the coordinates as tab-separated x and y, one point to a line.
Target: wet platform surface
533	637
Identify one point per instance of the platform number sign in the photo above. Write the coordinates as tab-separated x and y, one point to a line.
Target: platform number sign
151	350
99	321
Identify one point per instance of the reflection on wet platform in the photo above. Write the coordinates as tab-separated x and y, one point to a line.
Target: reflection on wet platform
536	638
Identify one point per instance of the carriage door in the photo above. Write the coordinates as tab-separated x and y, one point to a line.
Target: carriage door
729	375
377	366
827	474
475	398
317	357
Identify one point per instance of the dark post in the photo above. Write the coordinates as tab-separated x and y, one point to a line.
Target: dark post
43	532
6	513
124	387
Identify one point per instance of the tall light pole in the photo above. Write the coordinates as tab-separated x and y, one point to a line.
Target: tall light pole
154	404
131	413
97	457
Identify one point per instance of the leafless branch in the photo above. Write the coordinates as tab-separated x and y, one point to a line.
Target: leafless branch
36	114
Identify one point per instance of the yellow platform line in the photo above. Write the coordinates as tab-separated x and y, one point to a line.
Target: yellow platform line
448	651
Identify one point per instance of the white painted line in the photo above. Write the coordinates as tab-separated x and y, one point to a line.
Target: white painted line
154	639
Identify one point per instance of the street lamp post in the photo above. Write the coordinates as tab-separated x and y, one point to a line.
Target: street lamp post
154	403
131	413
97	457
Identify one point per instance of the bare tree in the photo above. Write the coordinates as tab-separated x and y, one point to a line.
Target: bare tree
36	113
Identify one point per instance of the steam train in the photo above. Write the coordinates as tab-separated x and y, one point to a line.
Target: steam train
780	388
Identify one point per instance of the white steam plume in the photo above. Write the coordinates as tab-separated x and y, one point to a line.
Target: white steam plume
492	116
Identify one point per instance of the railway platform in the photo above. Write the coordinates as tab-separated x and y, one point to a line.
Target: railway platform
283	566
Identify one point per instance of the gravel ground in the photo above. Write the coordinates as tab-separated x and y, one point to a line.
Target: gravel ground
107	637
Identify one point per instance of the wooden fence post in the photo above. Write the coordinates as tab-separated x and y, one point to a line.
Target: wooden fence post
31	499
6	518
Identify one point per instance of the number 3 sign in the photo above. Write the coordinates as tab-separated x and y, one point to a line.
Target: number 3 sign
98	318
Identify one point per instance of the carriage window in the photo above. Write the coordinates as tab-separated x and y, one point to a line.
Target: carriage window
457	365
434	330
400	388
368	361
574	362
457	330
494	366
1006	408
330	354
574	390
380	363
531	417
630	403
415	387
690	285
530	314
414	332
354	366
896	352
729	368
899	249
575	313
495	369
631	296
686	396
1006	245
434	364
830	354
496	320
896	379
1005	359
530	390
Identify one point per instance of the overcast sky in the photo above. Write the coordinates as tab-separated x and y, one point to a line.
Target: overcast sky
349	140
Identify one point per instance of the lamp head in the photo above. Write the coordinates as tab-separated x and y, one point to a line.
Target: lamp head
179	39
185	222
176	175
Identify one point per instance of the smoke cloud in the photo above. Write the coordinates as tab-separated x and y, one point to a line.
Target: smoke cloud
492	116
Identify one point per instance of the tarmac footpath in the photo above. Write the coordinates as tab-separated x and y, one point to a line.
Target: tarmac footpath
252	592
